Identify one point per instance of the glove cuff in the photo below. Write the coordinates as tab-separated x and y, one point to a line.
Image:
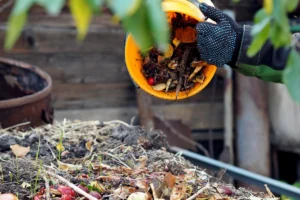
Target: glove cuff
238	41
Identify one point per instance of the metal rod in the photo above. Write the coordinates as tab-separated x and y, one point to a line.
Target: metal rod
241	174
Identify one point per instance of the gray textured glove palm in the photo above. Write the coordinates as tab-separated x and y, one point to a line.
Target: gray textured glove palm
218	43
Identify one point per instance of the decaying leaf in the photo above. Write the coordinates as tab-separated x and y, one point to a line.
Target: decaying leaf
170	180
159	87
173	64
88	145
25	185
168	84
176	42
217	197
141	162
197	69
186	35
195	64
98	186
139	196
19	151
68	167
199	79
157	188
8	196
141	184
178	192
169	52
54	191
123	192
160	59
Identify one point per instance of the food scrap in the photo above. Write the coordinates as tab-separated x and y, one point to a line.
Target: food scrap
180	67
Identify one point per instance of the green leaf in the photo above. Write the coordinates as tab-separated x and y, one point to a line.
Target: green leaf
260	15
291	75
138	25
123	8
158	24
53	7
258	41
291	5
16	23
22	6
95	5
82	14
257	28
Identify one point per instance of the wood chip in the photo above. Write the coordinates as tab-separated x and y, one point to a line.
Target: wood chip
19	151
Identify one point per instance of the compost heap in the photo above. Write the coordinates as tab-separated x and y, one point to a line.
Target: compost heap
180	68
110	160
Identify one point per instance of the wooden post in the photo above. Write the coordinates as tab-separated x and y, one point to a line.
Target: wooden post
144	102
252	125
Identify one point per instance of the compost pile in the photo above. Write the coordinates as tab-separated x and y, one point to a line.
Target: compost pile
180	68
109	160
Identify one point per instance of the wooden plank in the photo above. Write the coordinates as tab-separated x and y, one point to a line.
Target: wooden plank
74	96
80	67
51	40
195	115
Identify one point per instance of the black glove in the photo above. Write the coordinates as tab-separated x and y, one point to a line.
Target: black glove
219	43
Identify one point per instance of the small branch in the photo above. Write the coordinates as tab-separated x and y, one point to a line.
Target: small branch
48	197
199	192
71	185
108	154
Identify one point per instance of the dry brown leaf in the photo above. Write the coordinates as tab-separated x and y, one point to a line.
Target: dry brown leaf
88	145
141	162
123	192
169	52
217	197
54	191
139	196
68	167
170	180
19	151
186	35
141	184
178	192
8	196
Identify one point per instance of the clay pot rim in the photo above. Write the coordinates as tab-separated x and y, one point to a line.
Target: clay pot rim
20	101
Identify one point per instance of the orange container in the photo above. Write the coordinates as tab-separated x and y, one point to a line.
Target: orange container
133	58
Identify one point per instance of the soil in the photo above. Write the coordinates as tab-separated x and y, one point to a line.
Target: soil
122	159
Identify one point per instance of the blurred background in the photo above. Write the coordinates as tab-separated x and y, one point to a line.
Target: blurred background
238	120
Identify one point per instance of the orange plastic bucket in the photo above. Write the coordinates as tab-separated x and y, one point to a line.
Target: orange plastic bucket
134	60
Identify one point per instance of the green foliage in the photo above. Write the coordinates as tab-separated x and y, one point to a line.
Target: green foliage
272	23
147	23
284	197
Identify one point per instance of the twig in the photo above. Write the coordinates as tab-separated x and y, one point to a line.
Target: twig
48	197
15	126
108	154
53	154
116	122
269	191
71	185
183	137
199	192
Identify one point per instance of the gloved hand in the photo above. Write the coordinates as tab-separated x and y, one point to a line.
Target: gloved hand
219	43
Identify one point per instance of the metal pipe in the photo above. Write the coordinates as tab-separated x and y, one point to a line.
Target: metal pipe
241	174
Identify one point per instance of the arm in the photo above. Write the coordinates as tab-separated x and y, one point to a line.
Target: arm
226	42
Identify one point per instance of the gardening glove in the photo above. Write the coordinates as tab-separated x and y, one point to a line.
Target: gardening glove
218	43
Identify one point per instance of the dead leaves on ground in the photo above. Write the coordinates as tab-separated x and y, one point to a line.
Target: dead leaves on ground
19	151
